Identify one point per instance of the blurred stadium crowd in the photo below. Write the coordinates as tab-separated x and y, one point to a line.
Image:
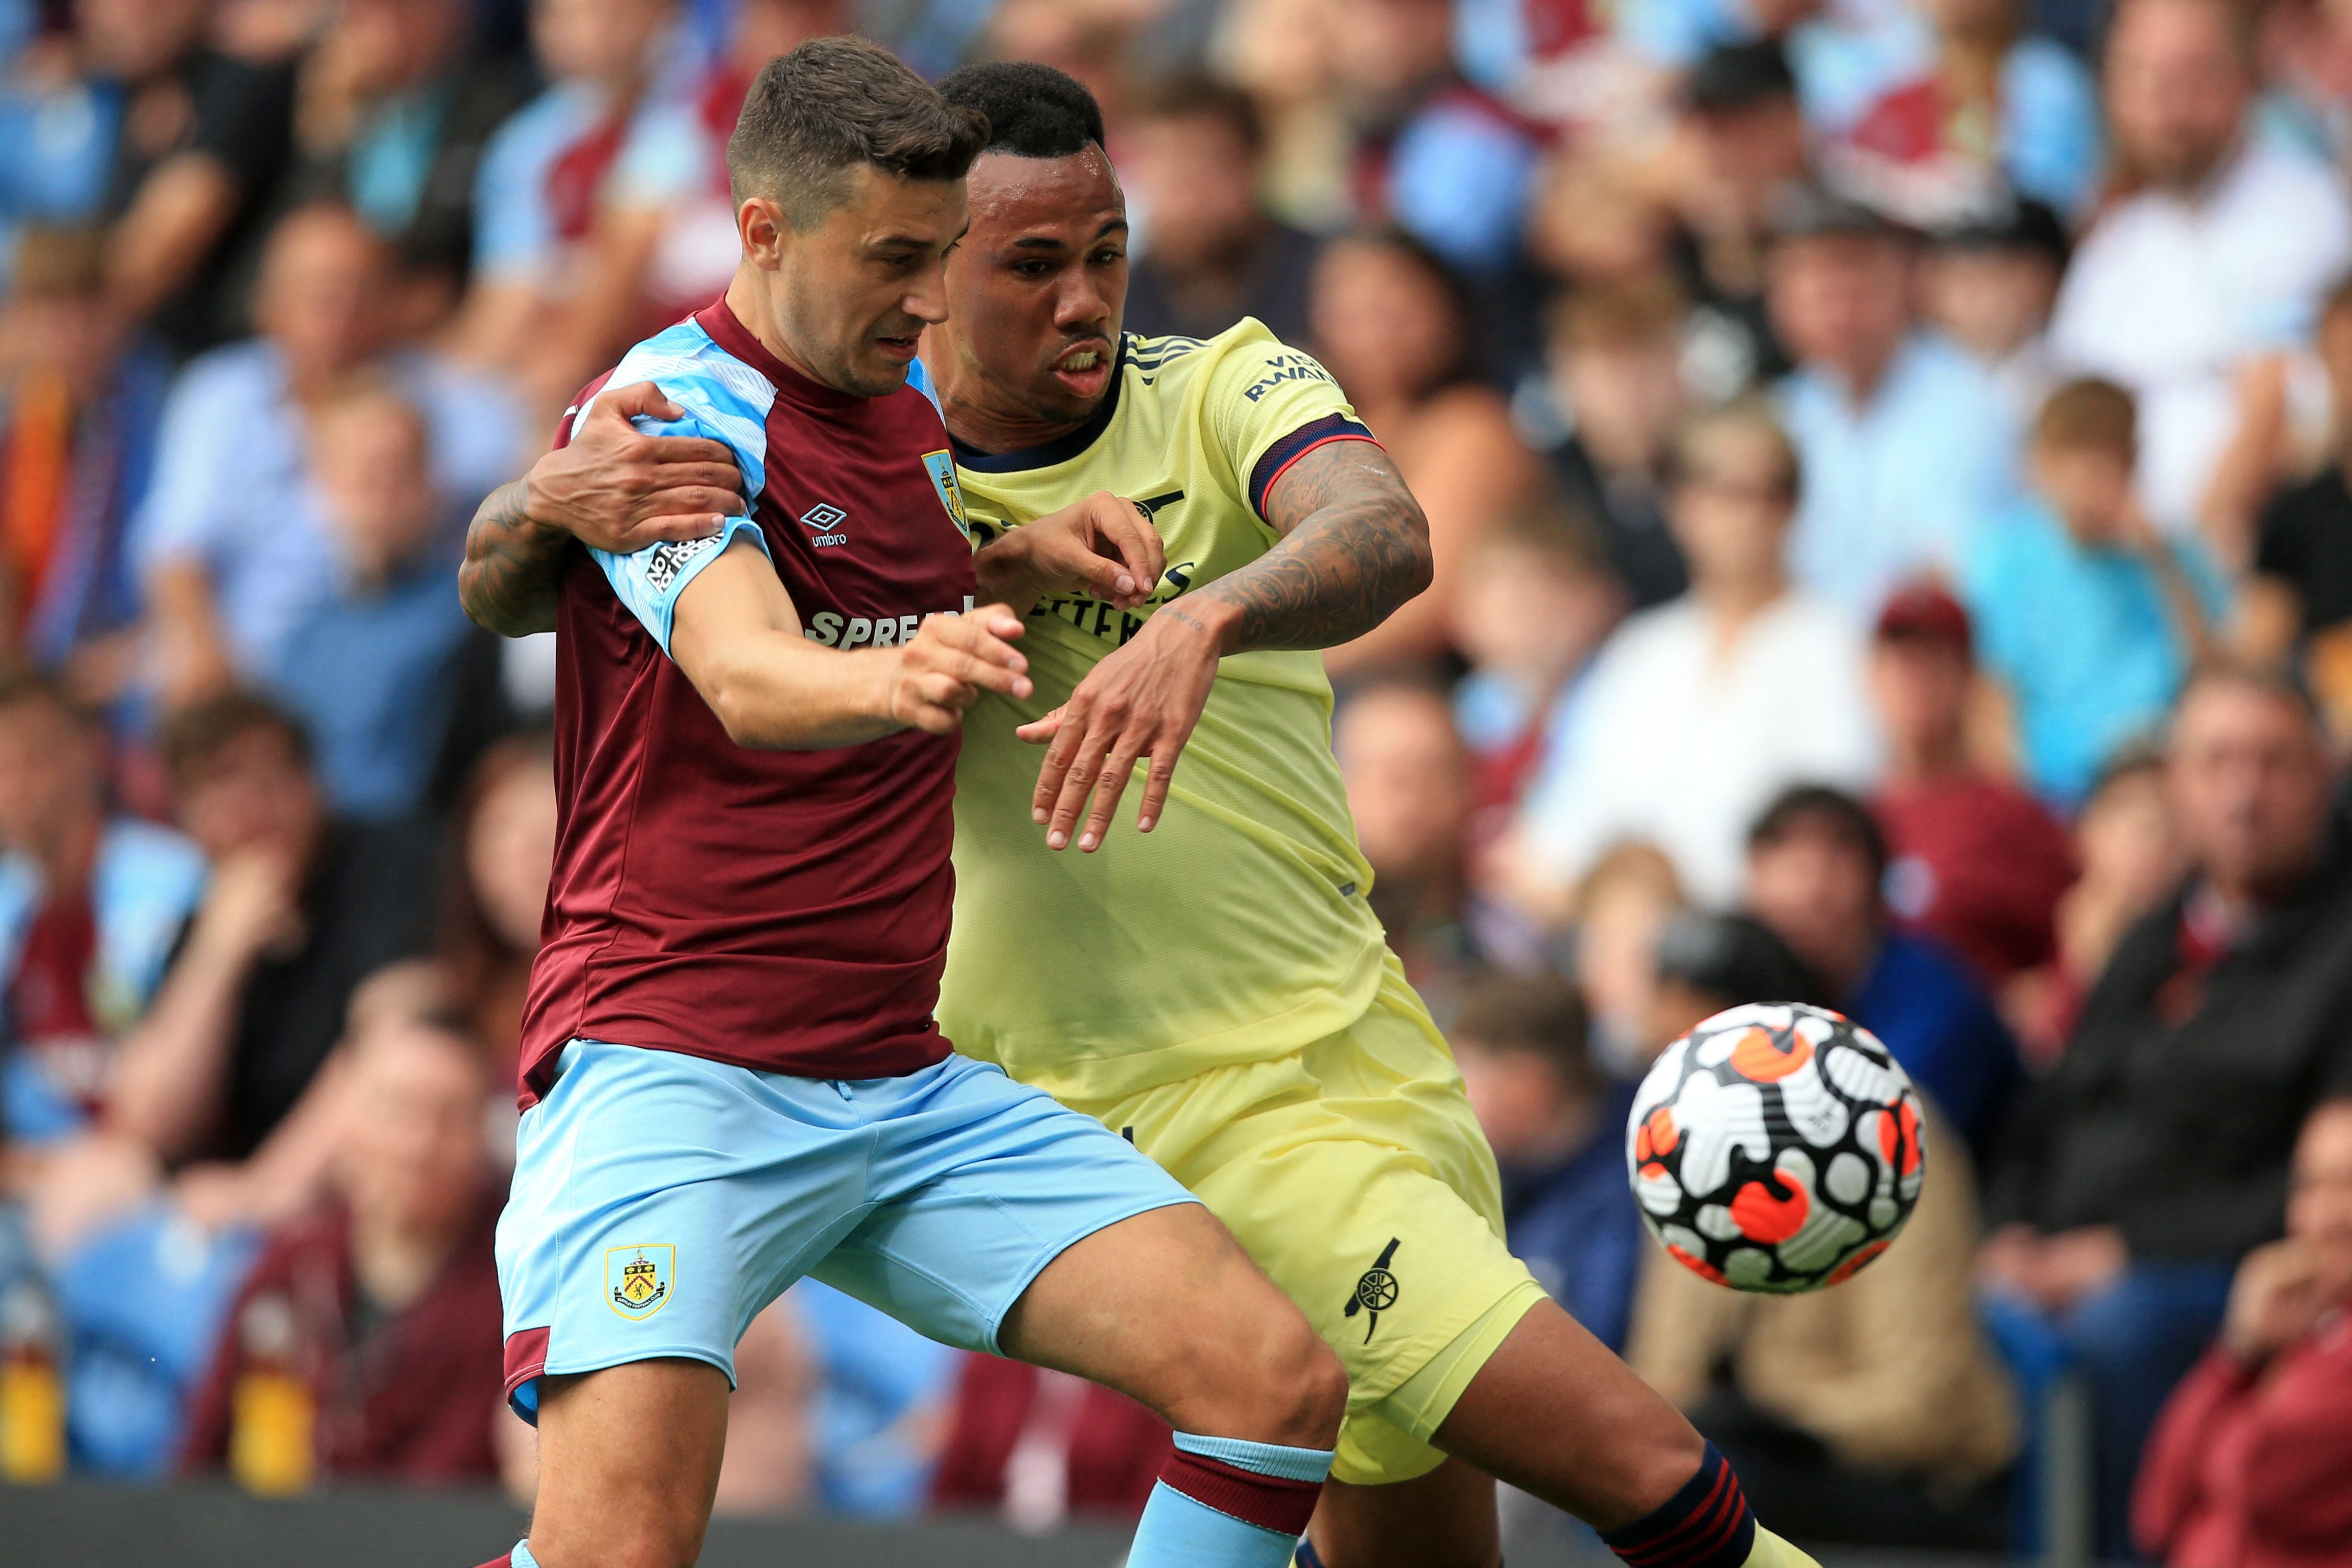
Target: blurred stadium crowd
1888	465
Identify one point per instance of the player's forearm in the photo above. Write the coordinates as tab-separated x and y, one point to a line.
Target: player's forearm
512	579
776	691
1356	547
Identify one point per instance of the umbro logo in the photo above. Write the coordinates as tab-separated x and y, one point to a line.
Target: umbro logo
821	521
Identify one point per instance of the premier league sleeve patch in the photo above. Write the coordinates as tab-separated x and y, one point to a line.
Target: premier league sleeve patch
638	1279
941	466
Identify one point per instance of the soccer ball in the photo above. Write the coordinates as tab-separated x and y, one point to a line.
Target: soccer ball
1776	1148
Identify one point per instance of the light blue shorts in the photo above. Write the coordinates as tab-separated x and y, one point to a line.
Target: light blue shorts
661	1200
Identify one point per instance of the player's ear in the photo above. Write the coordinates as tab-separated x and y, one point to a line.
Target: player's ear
759	223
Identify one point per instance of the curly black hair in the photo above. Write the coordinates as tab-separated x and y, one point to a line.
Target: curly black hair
1034	110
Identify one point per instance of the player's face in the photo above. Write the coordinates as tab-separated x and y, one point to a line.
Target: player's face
1038	287
850	296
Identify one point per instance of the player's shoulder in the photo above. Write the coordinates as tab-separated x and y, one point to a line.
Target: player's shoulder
693	370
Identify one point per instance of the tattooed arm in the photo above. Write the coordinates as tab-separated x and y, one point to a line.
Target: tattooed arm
611	486
1354	547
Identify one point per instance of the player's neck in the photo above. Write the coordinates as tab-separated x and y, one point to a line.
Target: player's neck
751	308
980	415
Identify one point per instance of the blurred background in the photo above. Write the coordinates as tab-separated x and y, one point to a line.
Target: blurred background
1888	467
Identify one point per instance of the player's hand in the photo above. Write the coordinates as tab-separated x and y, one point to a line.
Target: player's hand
613	488
2279	1293
1104	545
952	661
1140	701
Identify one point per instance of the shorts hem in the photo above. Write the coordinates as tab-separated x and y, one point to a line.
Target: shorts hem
529	1414
1472	1302
1026	1275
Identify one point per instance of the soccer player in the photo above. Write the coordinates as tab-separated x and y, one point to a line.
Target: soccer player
731	1073
1238	1013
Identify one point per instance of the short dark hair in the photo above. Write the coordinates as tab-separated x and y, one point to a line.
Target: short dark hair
1033	111
1823	806
1733	959
196	736
833	104
1542	1013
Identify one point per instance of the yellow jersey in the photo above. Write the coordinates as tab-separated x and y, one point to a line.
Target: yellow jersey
1237	929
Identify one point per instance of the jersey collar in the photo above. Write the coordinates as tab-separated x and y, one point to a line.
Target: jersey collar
728	332
1062	448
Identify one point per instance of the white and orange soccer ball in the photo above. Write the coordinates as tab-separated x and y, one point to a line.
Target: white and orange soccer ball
1776	1148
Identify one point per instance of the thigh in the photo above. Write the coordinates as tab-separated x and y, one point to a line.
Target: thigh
978	1185
628	1462
1164	1307
1444	1519
1554	1413
1356	1176
659	1202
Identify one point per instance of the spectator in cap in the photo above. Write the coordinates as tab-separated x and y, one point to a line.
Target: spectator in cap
1557	1128
2216	251
1816	865
1976	863
1908	444
1987	283
2086	616
1193	158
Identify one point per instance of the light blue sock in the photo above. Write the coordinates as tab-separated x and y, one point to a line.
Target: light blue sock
522	1557
1223	1503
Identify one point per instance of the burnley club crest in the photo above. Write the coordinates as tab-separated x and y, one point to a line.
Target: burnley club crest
637	1278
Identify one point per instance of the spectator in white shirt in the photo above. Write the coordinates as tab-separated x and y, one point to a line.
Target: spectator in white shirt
2217	255
1698	711
1906	441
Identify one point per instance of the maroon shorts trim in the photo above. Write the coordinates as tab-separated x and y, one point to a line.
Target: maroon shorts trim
526	1357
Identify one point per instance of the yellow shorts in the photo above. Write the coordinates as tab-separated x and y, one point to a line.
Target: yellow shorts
1356	1176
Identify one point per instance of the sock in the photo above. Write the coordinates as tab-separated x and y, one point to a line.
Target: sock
1225	1503
1305	1556
1707	1524
519	1557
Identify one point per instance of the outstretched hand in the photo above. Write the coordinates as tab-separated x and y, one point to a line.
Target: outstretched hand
613	488
1140	701
1104	545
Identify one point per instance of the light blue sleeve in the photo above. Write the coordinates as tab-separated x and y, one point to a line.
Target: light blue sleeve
179	518
1461	185
650	581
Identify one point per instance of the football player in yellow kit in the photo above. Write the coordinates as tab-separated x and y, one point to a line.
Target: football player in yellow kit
1234	1009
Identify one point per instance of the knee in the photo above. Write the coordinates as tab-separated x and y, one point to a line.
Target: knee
1268	1382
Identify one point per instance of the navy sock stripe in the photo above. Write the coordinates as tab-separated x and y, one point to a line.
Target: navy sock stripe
1706	1524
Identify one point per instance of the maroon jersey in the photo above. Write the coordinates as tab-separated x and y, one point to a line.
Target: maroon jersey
780	910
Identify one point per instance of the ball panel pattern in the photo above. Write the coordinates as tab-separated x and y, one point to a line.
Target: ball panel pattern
1776	1148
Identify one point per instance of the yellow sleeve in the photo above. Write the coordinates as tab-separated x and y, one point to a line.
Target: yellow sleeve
1268	404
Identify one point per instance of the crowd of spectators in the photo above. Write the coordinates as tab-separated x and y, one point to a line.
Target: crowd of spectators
1890	469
